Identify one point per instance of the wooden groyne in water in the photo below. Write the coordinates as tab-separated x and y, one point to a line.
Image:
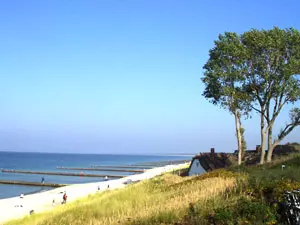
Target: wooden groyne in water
144	165
126	166
103	169
62	174
162	163
17	182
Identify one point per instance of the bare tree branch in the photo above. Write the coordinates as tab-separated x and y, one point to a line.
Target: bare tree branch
295	121
288	128
259	111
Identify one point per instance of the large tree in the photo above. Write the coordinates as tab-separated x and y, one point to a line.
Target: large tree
223	78
258	70
272	82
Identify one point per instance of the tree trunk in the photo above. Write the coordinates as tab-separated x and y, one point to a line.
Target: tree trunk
270	143
262	139
238	135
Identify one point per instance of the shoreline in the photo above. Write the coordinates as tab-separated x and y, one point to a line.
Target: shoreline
43	201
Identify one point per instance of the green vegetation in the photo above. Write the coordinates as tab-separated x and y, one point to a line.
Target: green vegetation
238	195
256	71
163	199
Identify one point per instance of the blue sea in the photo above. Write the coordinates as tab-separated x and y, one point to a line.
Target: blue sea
50	162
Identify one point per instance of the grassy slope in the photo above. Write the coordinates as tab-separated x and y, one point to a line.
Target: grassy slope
150	202
239	195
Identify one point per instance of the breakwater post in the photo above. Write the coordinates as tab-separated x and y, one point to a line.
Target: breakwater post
110	166
101	169
17	182
62	174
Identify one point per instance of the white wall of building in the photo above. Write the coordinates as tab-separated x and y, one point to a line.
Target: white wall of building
196	168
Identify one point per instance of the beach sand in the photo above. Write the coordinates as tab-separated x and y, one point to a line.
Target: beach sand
10	208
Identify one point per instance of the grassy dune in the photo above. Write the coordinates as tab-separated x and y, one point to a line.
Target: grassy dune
239	195
162	199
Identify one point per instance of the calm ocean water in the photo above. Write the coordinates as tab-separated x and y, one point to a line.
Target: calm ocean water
49	162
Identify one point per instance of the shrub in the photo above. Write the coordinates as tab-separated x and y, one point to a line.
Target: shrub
217	173
246	211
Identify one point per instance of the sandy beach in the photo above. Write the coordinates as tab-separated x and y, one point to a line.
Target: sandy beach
10	208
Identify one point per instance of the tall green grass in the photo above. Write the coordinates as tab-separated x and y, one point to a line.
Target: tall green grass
239	195
160	200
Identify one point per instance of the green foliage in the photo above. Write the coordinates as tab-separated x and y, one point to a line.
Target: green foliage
217	173
257	70
161	200
294	121
244	143
270	189
224	78
224	70
223	216
272	80
264	185
246	211
241	195
236	208
169	217
269	181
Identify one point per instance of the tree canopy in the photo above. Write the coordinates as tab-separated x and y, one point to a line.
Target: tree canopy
224	79
259	71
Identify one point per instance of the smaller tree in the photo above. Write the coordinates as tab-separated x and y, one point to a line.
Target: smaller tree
223	78
243	140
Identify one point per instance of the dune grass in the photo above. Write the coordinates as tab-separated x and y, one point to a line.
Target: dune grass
274	170
238	195
163	199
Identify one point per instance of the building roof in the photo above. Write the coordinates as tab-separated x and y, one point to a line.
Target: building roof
211	161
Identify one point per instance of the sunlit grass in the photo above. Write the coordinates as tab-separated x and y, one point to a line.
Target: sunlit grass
238	194
164	198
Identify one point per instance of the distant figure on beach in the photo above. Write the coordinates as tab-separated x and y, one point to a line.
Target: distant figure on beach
108	186
43	180
65	198
21	201
106	178
98	187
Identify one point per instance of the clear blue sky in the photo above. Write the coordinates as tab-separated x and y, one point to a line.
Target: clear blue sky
121	76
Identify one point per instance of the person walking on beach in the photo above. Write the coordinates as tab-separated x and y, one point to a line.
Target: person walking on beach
65	198
43	180
21	201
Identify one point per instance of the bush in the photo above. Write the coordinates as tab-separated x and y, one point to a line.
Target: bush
270	190
246	211
217	173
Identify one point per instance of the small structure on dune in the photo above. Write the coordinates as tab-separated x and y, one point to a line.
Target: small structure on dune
208	161
252	157
195	167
